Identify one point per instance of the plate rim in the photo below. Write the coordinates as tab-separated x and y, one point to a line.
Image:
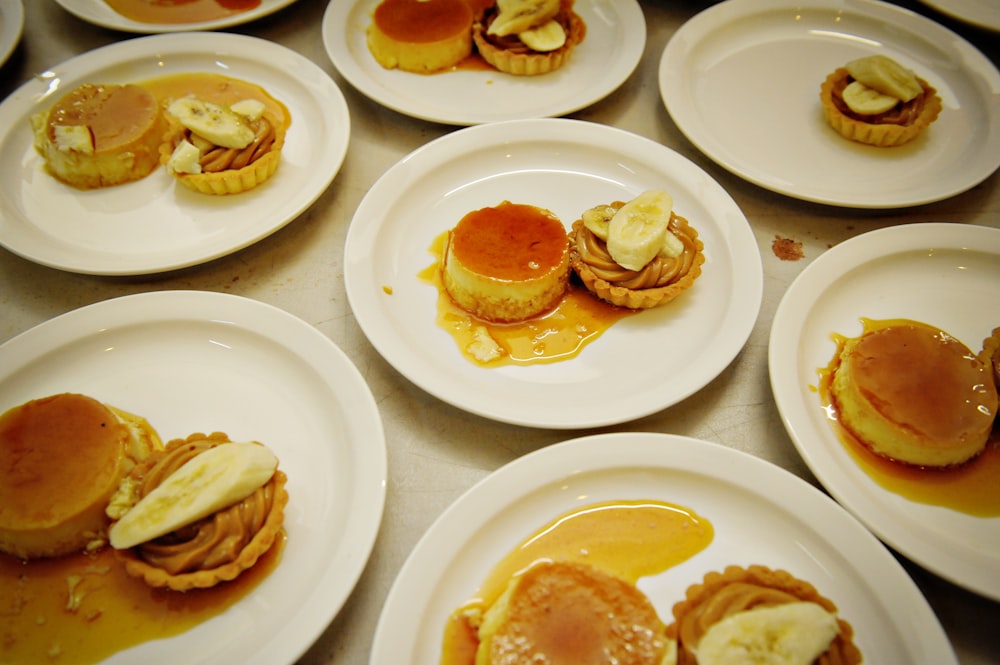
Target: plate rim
364	227
12	28
606	452
115	21
240	313
971	18
34	92
840	260
335	43
670	86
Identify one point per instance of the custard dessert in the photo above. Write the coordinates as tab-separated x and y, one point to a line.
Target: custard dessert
638	254
506	263
877	101
61	459
198	513
421	36
100	135
528	37
564	613
215	148
759	610
912	393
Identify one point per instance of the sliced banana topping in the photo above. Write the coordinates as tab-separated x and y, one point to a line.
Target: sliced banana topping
215	479
867	101
186	158
251	109
516	16
74	138
212	122
547	37
885	75
790	634
638	231
597	220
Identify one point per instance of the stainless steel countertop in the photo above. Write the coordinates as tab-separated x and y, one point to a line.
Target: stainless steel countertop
300	269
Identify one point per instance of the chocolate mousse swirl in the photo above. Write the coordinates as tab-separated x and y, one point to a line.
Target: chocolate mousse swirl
738	590
661	271
903	113
218	158
214	540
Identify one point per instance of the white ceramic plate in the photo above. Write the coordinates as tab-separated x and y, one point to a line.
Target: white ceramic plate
198	362
156	224
942	274
11	27
99	13
616	37
648	362
981	13
741	80
761	515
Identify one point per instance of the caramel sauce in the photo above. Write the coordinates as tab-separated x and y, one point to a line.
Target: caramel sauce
422	21
510	241
972	487
180	11
82	608
559	334
628	539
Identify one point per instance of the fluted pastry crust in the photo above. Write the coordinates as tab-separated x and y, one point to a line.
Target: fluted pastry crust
212	550
657	283
894	127
737	589
510	55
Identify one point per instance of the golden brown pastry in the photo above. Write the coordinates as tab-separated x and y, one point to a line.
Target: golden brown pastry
61	459
100	135
421	36
875	100
912	393
528	37
646	258
212	549
746	608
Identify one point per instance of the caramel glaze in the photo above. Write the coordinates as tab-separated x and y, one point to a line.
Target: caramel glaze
969	488
187	11
422	21
125	112
903	113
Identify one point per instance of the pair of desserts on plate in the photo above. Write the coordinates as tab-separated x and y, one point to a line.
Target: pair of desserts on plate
76	474
512	262
101	135
521	37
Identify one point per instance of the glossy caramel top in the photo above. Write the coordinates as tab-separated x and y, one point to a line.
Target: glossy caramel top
422	21
116	114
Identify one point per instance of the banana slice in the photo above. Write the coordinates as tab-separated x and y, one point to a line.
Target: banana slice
885	75
74	138
212	122
637	232
867	101
186	158
208	482
790	634
251	109
547	37
597	220
516	16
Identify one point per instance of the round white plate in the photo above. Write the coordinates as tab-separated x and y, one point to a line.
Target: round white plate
981	13
616	37
942	274
99	13
761	515
741	80
194	361
11	27
647	362
156	224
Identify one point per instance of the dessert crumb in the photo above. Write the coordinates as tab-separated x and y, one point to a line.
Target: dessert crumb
787	249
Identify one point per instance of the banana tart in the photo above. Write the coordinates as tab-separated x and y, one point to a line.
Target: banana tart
198	513
637	254
214	148
528	37
421	36
100	135
758	610
877	101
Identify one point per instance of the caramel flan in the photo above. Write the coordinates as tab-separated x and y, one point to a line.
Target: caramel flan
913	393
506	263
61	459
421	36
100	135
565	613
